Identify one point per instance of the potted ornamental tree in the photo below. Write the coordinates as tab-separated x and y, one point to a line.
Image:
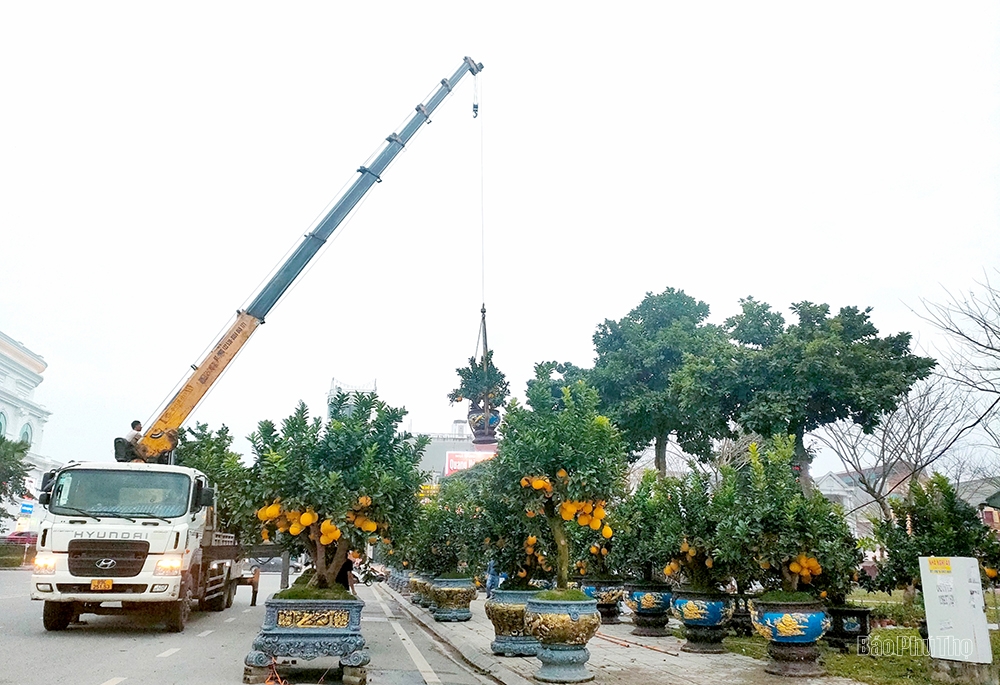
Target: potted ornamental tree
564	457
793	540
596	569
635	521
689	511
486	389
930	521
449	533
518	551
330	489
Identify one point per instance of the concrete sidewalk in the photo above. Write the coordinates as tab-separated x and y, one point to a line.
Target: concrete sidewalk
616	656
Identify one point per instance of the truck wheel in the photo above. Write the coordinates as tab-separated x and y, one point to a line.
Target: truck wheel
179	611
57	615
230	593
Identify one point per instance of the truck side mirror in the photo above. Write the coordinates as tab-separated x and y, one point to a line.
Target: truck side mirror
206	497
44	498
47	479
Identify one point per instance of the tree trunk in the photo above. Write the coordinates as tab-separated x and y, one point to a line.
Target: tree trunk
660	449
562	550
801	460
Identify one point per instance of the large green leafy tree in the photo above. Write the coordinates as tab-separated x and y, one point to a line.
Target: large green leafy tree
235	497
774	379
636	359
13	471
338	486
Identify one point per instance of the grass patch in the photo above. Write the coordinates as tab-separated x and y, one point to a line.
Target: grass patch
753	647
563	596
297	591
912	665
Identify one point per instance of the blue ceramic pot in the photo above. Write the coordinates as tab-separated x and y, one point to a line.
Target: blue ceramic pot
790	622
608	593
650	605
704	615
792	629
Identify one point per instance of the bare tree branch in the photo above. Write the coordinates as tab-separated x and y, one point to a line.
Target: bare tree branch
929	422
971	323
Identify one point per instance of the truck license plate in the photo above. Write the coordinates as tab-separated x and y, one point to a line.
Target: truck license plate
103	584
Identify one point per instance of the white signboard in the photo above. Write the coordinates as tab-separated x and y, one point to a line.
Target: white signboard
956	616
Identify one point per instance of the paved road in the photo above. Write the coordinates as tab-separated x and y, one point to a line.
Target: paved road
113	650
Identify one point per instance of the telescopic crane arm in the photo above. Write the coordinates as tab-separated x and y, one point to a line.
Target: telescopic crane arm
161	436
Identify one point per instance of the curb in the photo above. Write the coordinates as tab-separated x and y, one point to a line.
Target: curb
484	663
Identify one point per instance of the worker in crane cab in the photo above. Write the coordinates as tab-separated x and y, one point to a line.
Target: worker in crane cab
134	435
129	447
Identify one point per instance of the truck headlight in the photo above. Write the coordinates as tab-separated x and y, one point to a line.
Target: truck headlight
45	564
168	566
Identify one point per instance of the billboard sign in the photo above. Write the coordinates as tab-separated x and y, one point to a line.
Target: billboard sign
459	461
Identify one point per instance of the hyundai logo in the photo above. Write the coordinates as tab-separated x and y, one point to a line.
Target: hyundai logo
105	564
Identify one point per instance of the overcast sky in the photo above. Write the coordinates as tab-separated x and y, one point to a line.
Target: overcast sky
157	160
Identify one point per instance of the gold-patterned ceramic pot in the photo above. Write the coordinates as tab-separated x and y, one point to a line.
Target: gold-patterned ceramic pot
506	611
452	597
563	628
608	592
650	605
792	629
704	615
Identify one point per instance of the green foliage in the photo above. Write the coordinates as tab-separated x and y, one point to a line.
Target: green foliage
448	534
235	493
565	443
505	534
932	521
689	513
635	520
478	384
772	379
636	359
356	467
774	533
13	471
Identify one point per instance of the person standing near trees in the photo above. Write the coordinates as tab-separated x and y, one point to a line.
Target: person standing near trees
346	574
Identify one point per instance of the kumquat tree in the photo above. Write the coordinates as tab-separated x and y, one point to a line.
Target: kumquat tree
790	541
567	460
340	486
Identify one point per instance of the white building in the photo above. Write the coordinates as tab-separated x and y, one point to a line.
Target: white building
21	418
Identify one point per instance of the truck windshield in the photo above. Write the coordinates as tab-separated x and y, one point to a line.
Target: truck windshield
120	493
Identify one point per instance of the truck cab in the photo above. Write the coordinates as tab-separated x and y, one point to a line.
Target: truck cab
137	534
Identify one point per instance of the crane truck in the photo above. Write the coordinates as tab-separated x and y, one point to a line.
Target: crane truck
141	535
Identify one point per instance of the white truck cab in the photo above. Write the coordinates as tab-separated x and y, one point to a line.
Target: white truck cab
141	535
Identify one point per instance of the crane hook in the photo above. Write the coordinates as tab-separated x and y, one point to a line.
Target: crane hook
475	110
